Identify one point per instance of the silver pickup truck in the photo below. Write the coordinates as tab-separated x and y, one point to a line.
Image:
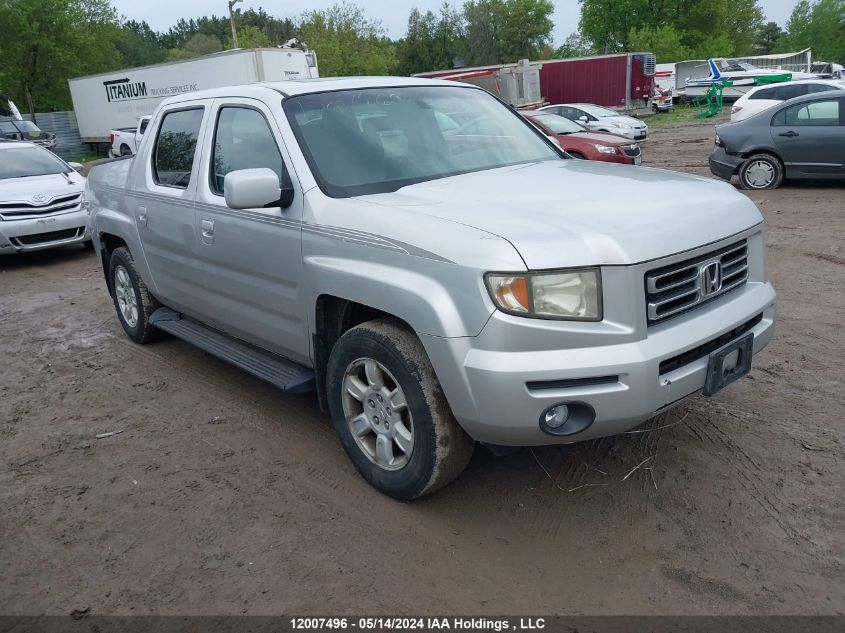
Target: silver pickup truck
428	262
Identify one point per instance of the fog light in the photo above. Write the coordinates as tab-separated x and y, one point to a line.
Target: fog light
556	416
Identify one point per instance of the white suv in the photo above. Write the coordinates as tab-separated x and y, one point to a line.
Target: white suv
764	97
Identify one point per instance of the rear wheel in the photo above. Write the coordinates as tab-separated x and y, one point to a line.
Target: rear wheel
390	412
132	300
761	171
125	151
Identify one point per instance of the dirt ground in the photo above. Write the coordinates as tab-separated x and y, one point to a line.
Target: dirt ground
223	496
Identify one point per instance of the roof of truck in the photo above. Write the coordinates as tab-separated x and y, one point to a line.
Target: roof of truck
294	87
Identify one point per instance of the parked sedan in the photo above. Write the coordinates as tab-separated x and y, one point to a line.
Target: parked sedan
764	97
578	142
18	129
40	200
598	119
802	138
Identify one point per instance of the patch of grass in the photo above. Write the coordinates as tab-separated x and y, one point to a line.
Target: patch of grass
84	158
679	114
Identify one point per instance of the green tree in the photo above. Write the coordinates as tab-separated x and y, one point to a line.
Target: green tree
816	25
767	38
705	28
663	41
249	37
46	42
432	42
507	30
139	45
575	45
346	41
198	44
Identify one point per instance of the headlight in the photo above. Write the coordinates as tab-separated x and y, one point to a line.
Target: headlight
568	294
719	141
604	149
624	126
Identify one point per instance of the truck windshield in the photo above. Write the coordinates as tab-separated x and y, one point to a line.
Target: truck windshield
377	140
23	160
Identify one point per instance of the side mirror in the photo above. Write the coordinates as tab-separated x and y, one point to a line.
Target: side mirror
583	118
256	188
75	166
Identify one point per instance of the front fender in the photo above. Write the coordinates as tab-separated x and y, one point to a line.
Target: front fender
435	298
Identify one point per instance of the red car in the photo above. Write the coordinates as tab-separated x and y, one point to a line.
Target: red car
580	143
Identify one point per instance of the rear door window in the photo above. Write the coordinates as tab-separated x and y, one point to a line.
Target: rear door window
242	140
176	144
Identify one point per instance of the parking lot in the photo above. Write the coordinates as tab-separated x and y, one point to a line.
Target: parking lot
219	495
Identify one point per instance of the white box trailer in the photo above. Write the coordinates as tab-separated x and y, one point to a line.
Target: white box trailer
118	99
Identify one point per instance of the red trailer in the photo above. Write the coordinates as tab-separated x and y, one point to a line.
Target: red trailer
624	81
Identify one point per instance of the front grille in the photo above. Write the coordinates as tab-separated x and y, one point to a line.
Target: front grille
22	210
631	150
676	288
692	355
650	64
46	238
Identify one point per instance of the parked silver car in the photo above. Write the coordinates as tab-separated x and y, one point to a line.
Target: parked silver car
40	199
435	288
599	119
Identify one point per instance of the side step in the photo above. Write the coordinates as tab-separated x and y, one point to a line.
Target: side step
281	372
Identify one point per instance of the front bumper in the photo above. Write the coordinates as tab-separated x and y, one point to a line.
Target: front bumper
495	397
35	234
633	134
722	164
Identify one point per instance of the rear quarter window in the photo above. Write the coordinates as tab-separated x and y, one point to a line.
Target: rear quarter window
765	93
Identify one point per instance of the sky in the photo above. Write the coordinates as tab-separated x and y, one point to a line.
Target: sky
393	14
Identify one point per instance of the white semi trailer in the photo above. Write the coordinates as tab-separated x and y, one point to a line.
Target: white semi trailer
119	99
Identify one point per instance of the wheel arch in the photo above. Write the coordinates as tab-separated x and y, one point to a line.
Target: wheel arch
108	243
333	317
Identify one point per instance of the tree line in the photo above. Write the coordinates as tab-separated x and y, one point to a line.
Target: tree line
46	42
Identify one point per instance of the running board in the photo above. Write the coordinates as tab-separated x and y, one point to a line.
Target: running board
281	372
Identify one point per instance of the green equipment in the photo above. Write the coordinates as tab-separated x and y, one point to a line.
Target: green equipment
710	103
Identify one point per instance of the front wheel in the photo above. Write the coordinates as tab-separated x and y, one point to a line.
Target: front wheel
390	412
761	171
132	299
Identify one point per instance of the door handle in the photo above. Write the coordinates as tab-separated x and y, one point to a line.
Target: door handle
142	215
790	134
207	227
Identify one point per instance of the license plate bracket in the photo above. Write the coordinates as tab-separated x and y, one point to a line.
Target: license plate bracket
728	364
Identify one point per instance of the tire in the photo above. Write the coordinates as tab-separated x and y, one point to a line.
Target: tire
427	447
126	285
761	171
125	151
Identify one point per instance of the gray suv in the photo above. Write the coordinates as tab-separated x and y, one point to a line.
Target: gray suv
435	287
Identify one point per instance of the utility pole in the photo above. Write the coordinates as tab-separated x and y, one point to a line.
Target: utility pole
232	3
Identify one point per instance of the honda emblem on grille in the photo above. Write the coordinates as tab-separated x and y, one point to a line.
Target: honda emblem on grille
711	278
39	198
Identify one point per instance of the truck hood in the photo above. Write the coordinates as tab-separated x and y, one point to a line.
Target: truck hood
584	213
50	186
